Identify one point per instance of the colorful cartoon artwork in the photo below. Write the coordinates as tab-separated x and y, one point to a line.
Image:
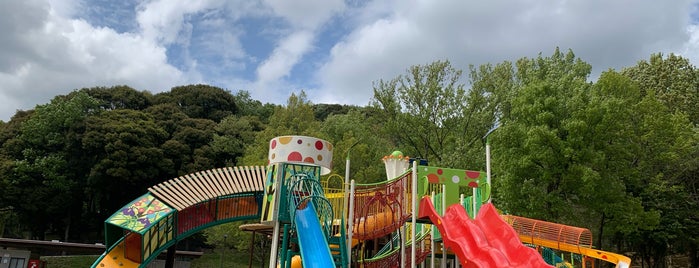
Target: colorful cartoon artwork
268	203
140	214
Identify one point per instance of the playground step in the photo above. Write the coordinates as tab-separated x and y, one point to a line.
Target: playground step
336	251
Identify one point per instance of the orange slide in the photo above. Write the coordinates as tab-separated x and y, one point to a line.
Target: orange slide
485	242
619	260
116	258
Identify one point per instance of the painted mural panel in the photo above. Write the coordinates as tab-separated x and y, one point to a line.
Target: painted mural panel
140	214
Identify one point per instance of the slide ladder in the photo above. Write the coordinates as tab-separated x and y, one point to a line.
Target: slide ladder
312	216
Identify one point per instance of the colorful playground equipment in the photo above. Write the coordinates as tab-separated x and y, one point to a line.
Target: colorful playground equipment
420	215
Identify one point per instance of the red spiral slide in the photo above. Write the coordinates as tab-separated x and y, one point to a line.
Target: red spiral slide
487	241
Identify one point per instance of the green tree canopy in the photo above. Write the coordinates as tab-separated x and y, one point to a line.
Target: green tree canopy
671	85
232	136
119	97
250	107
42	173
296	118
427	102
593	155
200	101
125	148
673	80
354	135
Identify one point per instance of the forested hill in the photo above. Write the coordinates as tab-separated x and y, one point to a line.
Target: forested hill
619	155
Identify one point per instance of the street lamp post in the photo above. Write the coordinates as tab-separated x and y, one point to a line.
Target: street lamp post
223	251
487	158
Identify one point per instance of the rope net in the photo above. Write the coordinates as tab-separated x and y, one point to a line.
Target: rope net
379	209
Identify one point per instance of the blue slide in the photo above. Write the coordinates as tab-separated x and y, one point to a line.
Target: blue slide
315	251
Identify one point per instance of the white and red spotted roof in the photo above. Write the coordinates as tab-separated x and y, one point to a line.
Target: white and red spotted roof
301	150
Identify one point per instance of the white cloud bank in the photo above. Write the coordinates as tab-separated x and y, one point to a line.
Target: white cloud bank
44	55
607	34
306	18
46	50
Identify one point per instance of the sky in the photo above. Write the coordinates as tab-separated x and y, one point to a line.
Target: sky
332	49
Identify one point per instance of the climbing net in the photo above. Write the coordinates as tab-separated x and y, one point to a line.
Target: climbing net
379	209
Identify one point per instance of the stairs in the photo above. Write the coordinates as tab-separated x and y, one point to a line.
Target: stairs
338	251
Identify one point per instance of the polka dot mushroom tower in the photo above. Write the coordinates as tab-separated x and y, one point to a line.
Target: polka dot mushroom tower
301	150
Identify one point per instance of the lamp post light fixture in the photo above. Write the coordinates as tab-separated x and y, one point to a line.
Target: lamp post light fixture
487	157
223	251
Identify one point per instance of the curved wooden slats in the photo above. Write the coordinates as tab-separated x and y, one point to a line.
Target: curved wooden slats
191	189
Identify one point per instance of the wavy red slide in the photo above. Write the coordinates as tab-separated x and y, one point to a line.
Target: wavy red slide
485	242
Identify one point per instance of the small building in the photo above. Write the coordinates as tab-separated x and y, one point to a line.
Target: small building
12	258
22	253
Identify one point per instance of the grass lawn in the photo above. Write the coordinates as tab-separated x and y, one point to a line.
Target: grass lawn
69	261
232	259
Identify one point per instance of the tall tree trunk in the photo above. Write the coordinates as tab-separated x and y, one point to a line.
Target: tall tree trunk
3	220
693	255
599	236
66	233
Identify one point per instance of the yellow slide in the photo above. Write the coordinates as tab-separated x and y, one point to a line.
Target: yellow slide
116	258
621	261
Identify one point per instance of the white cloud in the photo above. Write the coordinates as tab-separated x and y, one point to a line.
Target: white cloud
306	18
215	50
607	34
163	20
46	49
306	13
44	55
691	47
370	56
287	54
284	56
65	8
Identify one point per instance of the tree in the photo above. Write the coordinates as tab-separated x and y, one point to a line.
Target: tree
45	170
167	116
322	110
249	107
426	103
232	136
296	118
200	101
590	155
124	146
532	157
486	102
355	131
673	79
196	134
675	84
119	97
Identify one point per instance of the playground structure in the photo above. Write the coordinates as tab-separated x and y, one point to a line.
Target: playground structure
419	215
